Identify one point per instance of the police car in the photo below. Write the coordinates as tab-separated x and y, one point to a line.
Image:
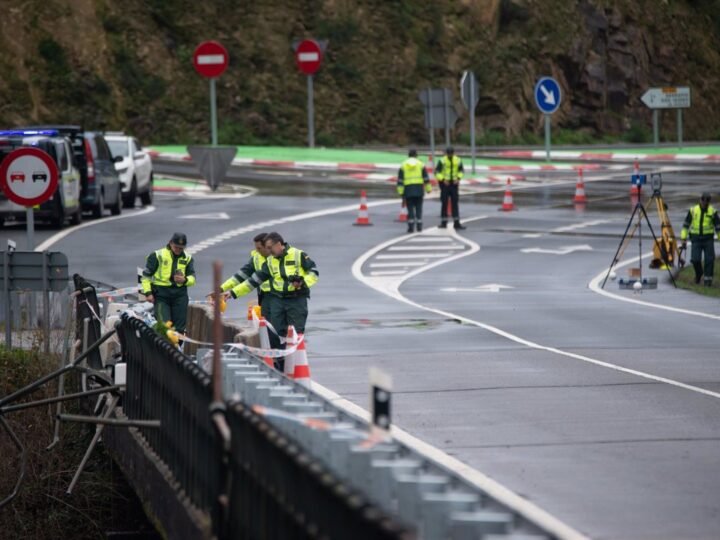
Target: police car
65	202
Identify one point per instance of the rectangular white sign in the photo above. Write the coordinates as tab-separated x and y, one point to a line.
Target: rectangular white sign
671	97
210	59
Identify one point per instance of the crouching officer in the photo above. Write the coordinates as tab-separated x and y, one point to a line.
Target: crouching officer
703	222
167	275
291	273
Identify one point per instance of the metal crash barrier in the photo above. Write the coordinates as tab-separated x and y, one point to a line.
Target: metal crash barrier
265	486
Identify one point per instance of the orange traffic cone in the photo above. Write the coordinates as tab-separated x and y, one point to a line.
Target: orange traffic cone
403	216
265	340
635	188
251	305
580	189
301	373
290	358
363	218
507	204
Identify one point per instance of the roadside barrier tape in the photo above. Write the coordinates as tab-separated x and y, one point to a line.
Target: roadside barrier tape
118	292
254	351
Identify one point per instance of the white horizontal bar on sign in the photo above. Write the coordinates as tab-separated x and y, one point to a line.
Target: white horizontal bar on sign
210	59
426	255
390	265
308	57
418	248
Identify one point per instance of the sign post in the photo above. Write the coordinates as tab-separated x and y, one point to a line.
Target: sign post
469	94
210	60
439	112
672	97
308	57
547	98
29	177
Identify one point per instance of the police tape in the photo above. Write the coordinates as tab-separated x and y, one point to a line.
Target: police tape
118	292
254	351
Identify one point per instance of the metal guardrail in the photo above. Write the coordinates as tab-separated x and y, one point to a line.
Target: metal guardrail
265	486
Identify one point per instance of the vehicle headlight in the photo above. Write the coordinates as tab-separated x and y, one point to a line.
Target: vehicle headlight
121	170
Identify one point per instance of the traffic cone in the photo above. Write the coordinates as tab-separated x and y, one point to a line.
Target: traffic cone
580	197
635	188
430	167
265	340
363	218
301	372
290	358
403	216
250	311
507	204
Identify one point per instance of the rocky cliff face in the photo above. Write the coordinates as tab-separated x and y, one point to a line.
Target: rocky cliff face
127	65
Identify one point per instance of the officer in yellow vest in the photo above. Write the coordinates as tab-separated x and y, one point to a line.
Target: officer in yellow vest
257	259
703	223
291	273
448	172
167	275
412	184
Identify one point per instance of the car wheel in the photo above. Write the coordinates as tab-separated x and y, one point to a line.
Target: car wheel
129	197
99	208
76	218
116	209
147	198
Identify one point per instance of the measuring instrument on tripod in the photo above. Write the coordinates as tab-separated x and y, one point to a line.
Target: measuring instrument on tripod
664	248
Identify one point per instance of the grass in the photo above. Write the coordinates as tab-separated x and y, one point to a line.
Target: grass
686	280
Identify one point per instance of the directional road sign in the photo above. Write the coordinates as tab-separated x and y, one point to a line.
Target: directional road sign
210	59
28	176
308	56
547	95
469	90
212	162
672	97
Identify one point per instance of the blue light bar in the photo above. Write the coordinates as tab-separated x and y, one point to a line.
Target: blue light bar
28	132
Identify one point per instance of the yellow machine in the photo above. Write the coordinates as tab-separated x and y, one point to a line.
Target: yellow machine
665	249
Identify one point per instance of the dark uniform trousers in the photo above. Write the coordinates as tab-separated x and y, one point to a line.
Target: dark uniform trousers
703	245
283	312
171	304
449	190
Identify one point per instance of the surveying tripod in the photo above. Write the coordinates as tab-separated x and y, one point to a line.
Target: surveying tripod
664	249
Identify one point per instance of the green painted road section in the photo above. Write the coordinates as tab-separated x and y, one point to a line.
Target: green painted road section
329	155
162	182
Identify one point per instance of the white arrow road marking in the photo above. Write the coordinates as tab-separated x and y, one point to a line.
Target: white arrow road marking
562	251
490	287
213	215
582	225
549	96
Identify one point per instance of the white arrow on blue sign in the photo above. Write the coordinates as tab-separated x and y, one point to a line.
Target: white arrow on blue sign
547	95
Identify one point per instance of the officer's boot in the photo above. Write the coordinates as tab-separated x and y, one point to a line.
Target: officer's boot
419	226
707	282
411	227
698	271
459	226
443	224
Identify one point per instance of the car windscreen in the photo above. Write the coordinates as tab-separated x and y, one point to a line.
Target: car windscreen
118	148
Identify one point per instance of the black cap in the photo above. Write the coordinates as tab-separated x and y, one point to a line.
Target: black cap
179	239
412	153
450	150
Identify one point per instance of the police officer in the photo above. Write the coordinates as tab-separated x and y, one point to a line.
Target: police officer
167	275
448	172
291	273
703	222
257	259
413	182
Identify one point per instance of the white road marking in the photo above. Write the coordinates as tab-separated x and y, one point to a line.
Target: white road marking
429	254
212	215
562	251
583	225
62	234
420	248
490	287
391	264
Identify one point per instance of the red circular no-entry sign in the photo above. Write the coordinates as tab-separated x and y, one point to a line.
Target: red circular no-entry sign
28	176
210	59
308	56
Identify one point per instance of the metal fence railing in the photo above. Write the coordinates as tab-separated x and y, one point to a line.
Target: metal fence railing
264	486
280	491
163	384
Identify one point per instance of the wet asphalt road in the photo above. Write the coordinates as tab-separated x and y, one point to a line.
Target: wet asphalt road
589	405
